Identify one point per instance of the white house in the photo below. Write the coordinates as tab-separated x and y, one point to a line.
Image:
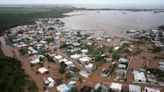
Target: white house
58	57
84	59
123	60
134	88
116	48
139	76
84	73
84	50
42	70
36	61
50	82
75	56
147	89
116	87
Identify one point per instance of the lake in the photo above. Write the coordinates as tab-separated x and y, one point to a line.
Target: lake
113	22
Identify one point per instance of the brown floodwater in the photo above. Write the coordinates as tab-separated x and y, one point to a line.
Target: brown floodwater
113	21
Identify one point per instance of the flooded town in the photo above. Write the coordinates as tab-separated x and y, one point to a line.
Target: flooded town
59	59
81	46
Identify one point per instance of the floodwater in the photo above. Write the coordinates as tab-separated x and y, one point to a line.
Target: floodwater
113	22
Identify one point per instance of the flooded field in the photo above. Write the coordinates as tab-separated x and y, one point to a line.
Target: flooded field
113	21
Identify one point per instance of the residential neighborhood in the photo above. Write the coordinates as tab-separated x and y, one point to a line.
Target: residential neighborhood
63	60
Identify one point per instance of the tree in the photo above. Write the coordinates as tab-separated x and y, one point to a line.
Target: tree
62	68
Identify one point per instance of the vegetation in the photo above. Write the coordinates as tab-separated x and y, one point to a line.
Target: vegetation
157	49
23	51
11	17
74	90
68	76
157	72
50	59
12	77
99	58
31	86
115	56
62	68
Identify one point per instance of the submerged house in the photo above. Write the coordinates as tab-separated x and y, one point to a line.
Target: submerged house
134	88
116	87
139	76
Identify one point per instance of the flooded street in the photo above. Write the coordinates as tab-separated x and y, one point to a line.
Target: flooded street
25	61
113	21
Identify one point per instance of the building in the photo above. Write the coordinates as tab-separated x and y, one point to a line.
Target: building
42	70
147	89
139	76
116	87
134	88
50	82
105	87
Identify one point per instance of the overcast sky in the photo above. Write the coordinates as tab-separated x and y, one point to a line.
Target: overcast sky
155	2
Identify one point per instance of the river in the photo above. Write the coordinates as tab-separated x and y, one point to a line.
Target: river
113	21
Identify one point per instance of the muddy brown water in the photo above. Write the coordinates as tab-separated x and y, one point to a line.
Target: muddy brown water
113	22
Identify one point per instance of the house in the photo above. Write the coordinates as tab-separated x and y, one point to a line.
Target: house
63	60
84	50
151	78
69	63
86	89
32	50
134	88
51	53
120	74
105	73
64	87
36	61
123	60
116	48
84	73
122	66
98	85
89	67
139	76
105	87
123	42
42	70
74	70
58	57
75	56
84	59
116	87
50	82
161	66
147	89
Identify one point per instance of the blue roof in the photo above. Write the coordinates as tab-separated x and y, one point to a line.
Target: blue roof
70	86
75	78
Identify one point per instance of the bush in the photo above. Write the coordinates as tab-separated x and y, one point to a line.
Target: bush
31	86
157	49
23	51
115	56
68	76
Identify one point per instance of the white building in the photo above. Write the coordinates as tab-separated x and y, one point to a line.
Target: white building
36	61
116	87
139	76
147	89
134	88
42	70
